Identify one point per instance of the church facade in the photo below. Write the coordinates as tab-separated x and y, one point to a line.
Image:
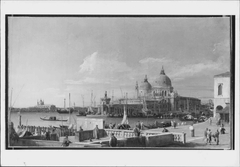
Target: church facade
155	99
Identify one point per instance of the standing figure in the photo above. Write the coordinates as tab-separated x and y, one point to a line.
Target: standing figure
217	137
174	124
136	131
47	135
210	121
110	126
113	141
191	128
209	136
141	125
96	132
205	135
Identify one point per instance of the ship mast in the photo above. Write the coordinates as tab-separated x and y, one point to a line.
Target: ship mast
83	100
69	108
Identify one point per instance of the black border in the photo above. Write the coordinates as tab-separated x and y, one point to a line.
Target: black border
232	78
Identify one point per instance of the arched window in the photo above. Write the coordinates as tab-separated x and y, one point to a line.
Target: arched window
220	89
165	93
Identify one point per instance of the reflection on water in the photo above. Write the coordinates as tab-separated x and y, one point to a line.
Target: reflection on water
33	119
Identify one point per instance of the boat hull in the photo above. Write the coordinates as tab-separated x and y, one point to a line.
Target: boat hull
62	120
64	111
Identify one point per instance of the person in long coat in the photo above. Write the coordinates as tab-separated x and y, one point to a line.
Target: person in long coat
96	132
113	141
205	135
216	135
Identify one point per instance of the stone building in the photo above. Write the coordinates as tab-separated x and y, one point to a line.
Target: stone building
156	99
222	96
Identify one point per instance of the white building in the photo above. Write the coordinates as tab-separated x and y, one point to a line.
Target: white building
222	96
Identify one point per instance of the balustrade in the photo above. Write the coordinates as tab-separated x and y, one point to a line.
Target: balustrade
177	137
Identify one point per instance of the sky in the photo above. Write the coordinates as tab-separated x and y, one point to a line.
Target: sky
50	57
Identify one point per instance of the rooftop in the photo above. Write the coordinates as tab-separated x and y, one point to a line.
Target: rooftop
226	74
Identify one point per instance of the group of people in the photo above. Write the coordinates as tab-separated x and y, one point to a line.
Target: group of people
208	135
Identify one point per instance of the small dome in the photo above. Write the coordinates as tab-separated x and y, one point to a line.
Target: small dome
145	85
163	80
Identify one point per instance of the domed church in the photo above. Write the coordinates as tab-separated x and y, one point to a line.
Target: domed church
158	98
164	98
162	87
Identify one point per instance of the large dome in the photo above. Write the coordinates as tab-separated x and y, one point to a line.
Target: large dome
145	85
163	80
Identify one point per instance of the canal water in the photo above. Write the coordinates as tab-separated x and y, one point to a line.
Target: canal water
33	119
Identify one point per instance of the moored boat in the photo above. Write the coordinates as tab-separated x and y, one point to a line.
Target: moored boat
65	111
53	119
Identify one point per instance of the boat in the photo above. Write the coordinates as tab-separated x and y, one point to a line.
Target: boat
124	124
65	111
96	116
53	119
187	118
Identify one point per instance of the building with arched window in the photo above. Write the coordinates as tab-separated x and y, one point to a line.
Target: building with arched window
222	96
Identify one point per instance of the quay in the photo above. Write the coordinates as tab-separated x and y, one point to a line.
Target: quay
177	138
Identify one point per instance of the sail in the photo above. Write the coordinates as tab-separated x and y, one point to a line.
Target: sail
144	109
72	122
90	109
125	120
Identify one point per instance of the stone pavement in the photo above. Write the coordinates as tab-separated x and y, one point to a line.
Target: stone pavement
198	140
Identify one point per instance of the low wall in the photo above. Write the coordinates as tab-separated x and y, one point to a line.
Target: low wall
40	143
159	140
71	138
88	134
153	140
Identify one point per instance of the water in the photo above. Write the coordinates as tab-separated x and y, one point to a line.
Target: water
33	119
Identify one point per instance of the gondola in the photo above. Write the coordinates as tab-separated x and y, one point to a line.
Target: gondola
53	119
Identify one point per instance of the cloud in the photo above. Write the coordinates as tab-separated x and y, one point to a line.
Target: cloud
87	80
193	69
97	64
180	70
154	60
101	70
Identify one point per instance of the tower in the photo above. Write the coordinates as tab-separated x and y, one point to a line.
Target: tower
136	89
